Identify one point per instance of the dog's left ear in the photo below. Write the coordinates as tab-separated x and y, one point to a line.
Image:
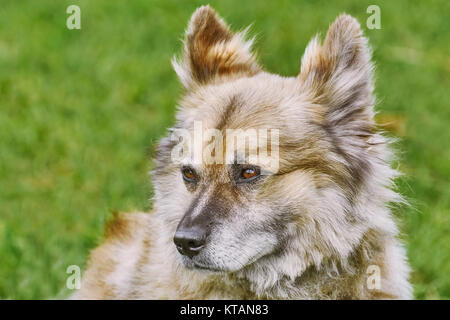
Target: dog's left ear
338	77
212	51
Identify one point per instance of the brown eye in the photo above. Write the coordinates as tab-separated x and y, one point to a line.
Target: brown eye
249	173
188	174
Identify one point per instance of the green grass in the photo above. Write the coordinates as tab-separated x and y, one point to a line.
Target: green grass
81	110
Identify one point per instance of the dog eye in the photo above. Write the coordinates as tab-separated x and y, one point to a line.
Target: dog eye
188	174
249	173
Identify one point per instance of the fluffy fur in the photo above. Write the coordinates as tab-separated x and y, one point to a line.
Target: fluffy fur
311	229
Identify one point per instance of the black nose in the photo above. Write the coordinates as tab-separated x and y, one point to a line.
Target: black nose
189	242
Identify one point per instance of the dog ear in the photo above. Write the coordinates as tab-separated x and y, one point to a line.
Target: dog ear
211	50
338	77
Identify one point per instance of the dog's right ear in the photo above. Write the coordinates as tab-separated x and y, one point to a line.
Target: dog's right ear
211	51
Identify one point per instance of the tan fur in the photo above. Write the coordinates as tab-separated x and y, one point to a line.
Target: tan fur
311	229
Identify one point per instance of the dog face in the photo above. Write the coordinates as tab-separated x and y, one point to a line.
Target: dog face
290	196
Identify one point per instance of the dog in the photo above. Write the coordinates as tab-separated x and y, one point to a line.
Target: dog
312	220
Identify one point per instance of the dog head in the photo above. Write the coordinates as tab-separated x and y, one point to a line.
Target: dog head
317	168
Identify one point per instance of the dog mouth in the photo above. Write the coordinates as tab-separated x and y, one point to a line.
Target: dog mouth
204	261
207	268
191	264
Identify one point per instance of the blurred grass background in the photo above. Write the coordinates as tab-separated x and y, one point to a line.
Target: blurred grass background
81	109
